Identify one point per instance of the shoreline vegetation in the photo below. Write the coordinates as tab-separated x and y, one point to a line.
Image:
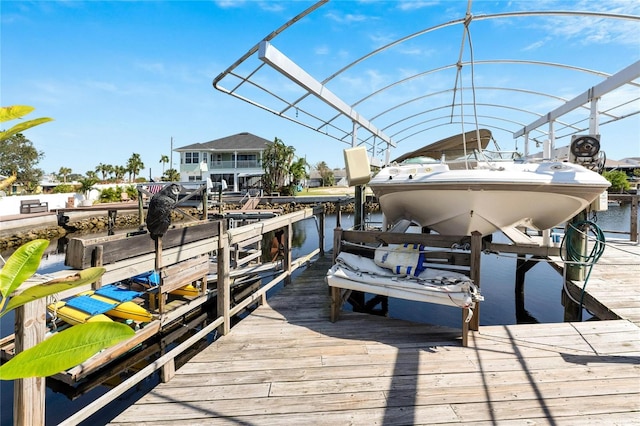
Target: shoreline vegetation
99	223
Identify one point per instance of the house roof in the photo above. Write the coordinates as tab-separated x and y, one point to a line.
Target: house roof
240	142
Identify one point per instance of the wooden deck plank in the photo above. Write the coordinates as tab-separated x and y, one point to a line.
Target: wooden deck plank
286	363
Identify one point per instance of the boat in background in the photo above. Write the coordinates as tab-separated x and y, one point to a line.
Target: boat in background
482	191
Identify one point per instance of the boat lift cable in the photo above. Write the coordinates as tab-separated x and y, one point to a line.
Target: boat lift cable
574	255
467	35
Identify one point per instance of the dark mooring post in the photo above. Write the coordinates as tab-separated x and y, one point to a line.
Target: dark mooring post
358	207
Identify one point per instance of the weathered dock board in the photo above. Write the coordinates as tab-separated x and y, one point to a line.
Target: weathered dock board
286	363
613	289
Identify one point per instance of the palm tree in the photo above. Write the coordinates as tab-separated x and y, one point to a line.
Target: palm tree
326	174
164	159
104	169
119	172
86	185
171	175
276	161
64	172
298	170
134	165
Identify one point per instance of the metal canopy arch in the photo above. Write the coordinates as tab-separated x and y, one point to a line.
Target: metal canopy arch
346	123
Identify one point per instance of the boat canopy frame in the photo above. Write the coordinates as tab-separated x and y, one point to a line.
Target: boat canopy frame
342	121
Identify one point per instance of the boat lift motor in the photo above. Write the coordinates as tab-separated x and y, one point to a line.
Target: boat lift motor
585	150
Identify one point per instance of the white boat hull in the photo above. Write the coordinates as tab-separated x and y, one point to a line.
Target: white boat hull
459	202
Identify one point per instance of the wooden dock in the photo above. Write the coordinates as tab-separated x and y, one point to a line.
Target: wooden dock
613	289
286	363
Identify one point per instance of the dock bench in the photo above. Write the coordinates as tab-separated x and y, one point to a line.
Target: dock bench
33	206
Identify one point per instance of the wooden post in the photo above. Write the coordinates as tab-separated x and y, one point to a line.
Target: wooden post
633	236
337	242
29	394
97	261
168	370
321	233
578	241
338	214
465	327
205	206
286	262
111	221
572	310
223	284
140	208
476	251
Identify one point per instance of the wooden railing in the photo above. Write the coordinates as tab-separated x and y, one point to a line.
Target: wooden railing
180	245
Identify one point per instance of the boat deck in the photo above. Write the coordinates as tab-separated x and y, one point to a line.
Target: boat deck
286	363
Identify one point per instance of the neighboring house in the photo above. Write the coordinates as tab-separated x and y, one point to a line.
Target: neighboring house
339	177
237	159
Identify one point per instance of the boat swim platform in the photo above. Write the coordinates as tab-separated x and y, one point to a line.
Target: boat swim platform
287	364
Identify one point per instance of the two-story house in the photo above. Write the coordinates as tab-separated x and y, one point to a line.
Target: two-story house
237	159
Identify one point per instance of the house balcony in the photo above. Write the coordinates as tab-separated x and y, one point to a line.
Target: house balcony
240	164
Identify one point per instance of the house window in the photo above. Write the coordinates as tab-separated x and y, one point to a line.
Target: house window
191	157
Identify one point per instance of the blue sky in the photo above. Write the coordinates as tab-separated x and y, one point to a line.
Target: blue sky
125	77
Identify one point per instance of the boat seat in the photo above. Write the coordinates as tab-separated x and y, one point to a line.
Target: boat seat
89	305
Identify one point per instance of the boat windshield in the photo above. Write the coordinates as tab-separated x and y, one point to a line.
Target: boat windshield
420	160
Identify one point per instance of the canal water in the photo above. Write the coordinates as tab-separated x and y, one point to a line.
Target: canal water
543	289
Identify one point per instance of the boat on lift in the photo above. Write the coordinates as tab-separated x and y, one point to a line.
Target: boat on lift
482	191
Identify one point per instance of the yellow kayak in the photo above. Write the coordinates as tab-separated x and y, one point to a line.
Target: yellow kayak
74	316
124	310
187	290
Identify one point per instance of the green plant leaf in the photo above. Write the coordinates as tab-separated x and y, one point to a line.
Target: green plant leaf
85	276
18	128
65	349
21	265
14	112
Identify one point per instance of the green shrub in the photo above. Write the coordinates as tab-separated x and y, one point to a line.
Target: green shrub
64	188
618	179
132	192
109	195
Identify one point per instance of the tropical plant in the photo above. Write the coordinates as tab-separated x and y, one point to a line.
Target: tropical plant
171	175
104	169
119	172
86	186
92	174
326	174
8	181
132	192
276	162
64	172
164	159
18	156
298	170
618	179
111	195
134	165
63	188
66	348
15	112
